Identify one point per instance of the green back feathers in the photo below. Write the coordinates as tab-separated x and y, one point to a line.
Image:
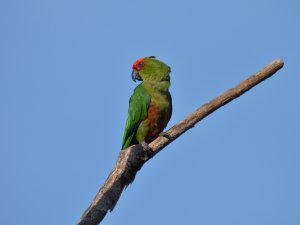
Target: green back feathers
138	106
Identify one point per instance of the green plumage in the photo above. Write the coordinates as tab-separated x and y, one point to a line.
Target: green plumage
150	106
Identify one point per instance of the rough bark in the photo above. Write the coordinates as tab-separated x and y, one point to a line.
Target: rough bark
132	159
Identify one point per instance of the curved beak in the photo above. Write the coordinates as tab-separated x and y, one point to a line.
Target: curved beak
136	76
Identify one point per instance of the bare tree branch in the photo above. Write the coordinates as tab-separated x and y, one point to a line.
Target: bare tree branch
132	159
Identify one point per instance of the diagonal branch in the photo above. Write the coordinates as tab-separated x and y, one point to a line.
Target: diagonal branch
132	159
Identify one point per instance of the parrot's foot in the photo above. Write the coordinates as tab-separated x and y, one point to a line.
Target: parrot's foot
165	134
148	150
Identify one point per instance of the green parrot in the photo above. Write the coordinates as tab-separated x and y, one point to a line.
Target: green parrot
150	105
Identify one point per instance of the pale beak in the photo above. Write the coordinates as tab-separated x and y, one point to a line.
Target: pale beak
136	76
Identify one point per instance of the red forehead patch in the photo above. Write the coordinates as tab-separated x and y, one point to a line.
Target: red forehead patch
138	64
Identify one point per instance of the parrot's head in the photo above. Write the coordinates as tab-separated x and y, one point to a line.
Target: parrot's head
150	69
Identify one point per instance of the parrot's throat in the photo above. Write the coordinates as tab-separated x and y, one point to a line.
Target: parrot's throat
161	86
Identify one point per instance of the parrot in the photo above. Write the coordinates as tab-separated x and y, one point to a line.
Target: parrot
150	105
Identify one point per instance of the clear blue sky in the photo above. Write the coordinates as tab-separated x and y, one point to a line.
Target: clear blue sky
65	82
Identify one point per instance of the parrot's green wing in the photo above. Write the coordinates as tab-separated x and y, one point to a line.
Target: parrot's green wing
138	111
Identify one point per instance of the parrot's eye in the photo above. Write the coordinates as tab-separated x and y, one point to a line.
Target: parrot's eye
140	64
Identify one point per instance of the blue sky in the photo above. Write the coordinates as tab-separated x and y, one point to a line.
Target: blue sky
64	87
